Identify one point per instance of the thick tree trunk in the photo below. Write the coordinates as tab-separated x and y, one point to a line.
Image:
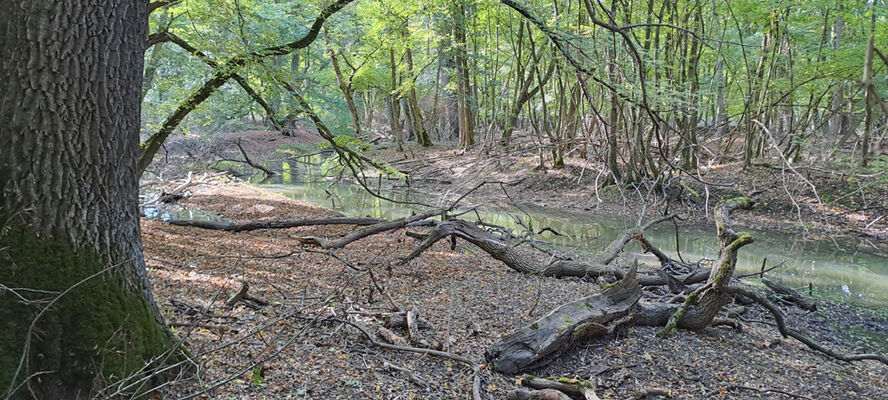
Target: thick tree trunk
69	117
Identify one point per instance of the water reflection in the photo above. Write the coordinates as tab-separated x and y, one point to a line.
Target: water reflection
827	265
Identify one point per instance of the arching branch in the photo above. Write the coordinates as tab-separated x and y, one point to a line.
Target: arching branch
224	72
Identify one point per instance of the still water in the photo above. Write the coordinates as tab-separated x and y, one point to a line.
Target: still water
841	269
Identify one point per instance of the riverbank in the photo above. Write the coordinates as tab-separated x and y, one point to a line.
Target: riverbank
816	201
468	300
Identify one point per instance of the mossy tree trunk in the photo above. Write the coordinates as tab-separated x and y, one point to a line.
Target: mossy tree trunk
81	312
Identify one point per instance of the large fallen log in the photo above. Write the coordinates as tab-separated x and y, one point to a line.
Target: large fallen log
583	319
278	224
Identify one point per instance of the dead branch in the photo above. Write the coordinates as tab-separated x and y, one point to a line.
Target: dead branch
250	162
790	332
476	369
243	295
790	295
507	254
278	224
369	231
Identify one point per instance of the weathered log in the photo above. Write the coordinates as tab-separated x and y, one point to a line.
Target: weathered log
790	295
574	388
545	394
279	224
580	320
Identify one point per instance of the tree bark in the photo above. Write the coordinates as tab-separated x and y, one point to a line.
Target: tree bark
394	103
69	117
345	87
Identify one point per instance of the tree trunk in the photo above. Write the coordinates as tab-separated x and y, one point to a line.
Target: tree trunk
69	114
347	93
394	106
867	84
466	121
422	136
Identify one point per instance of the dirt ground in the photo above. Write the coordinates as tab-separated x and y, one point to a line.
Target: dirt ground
295	346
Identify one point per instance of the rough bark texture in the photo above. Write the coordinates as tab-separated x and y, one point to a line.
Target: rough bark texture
70	76
580	320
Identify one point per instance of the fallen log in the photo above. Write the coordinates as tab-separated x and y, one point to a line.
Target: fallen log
544	394
583	319
277	224
574	388
792	296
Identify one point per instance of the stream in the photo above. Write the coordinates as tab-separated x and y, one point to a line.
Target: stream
840	269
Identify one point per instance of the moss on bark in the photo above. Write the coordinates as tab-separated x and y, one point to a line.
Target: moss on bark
100	331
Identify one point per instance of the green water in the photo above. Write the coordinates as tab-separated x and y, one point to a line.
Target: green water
837	269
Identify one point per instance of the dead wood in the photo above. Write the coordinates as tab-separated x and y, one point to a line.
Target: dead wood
391	337
502	251
412	322
704	304
243	294
792	296
250	162
580	320
575	388
786	331
643	394
545	394
368	231
278	224
476	369
755	389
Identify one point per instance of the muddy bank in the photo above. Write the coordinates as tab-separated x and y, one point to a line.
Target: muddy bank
469	302
843	205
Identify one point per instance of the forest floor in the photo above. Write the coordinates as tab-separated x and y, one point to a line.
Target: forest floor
296	346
